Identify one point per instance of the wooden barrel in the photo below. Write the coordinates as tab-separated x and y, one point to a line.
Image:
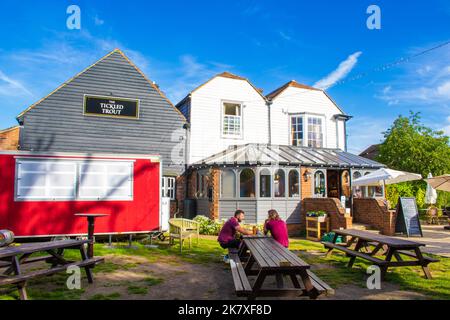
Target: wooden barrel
6	237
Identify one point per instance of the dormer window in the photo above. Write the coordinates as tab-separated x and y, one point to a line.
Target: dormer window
315	132
297	130
232	120
307	130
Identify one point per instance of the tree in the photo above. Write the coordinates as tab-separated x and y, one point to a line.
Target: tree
410	146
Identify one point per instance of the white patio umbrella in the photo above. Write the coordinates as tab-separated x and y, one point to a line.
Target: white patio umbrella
385	176
431	194
440	182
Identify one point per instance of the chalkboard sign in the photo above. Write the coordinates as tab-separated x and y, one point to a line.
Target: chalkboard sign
408	217
111	107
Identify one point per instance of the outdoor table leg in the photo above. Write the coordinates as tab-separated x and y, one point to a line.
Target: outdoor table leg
258	284
21	286
249	264
280	281
377	248
423	264
11	268
358	246
333	241
295	281
311	291
88	270
389	254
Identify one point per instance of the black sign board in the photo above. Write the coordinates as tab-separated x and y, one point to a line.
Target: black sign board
408	217
111	107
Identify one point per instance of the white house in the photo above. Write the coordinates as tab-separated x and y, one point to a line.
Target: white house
256	152
226	110
301	115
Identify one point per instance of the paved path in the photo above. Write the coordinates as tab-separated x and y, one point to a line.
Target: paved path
436	238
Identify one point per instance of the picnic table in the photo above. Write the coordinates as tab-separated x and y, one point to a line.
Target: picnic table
368	244
12	259
262	257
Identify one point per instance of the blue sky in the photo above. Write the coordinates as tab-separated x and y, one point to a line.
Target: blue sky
181	44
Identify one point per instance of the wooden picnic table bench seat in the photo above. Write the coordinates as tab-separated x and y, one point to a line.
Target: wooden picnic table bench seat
353	253
241	284
320	285
6	280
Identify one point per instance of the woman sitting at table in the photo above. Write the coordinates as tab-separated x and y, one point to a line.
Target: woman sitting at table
277	228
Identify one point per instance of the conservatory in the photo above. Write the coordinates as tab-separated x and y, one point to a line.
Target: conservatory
256	178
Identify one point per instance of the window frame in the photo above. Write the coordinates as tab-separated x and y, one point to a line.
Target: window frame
275	171
292	133
322	131
306	116
235	187
270	175
255	177
222	119
165	187
78	164
288	194
313	184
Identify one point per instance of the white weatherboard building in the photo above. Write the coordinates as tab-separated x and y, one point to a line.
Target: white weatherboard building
256	152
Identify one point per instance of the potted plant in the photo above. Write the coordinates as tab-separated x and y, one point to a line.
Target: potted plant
321	216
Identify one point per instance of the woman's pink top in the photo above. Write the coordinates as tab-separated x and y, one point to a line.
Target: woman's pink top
279	232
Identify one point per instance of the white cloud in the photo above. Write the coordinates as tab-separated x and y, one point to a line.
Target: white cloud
98	21
344	68
178	80
11	87
444	89
285	36
423	81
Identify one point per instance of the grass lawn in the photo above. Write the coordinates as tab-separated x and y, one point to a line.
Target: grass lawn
332	270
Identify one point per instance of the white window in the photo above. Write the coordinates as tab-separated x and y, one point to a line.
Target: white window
315	132
228	184
168	187
307	130
297	130
100	180
232	120
55	180
45	180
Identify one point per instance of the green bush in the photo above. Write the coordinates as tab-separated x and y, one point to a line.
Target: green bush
208	226
415	190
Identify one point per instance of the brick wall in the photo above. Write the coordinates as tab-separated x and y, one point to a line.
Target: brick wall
332	206
214	183
180	195
376	213
9	139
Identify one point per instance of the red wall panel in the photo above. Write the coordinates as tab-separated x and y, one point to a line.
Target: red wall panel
41	218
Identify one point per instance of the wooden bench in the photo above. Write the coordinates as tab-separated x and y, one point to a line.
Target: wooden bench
241	284
182	229
321	287
353	253
89	263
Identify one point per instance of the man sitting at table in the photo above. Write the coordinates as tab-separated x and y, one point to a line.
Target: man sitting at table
227	236
277	228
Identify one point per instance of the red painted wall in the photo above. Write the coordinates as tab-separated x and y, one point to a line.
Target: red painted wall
34	218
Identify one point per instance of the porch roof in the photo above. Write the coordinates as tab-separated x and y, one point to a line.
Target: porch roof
265	154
